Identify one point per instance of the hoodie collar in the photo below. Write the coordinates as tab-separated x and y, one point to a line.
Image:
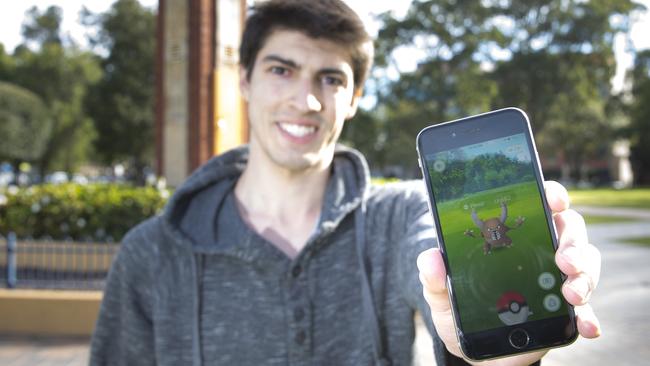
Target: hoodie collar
347	187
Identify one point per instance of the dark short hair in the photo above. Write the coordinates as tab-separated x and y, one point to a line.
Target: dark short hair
325	19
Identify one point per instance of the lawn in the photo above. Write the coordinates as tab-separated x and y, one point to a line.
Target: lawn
608	197
645	241
597	219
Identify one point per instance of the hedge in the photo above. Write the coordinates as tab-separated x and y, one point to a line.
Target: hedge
94	212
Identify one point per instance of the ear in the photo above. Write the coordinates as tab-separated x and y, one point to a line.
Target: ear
244	84
354	104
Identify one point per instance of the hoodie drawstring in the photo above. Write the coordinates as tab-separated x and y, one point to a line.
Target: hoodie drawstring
198	299
369	310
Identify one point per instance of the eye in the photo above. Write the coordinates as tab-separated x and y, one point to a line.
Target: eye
333	80
279	70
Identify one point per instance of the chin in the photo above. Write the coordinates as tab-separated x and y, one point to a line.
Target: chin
300	162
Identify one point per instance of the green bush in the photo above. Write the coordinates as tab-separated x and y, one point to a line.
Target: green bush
99	212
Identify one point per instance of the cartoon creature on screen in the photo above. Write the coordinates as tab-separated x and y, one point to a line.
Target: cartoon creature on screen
494	229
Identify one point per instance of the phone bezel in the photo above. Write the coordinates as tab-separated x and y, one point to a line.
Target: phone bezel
493	343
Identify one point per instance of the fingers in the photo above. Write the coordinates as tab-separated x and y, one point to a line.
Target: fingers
588	324
433	276
573	240
582	275
556	196
576	258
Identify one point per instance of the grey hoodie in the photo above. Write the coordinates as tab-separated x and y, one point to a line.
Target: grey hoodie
195	287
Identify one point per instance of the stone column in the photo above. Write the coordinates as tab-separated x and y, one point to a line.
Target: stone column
172	90
199	112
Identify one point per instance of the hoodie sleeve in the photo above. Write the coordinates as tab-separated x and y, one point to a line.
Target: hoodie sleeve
420	235
124	332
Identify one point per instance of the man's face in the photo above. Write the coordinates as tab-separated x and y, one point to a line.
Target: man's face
299	94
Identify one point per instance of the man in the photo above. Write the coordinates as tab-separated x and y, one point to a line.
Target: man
283	252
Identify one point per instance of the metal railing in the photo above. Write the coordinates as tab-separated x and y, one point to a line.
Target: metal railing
48	264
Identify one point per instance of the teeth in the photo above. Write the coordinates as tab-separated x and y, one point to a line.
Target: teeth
297	130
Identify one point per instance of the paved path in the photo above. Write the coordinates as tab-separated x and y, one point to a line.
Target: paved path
621	302
20	351
636	213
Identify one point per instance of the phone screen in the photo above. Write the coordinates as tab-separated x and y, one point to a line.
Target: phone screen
495	231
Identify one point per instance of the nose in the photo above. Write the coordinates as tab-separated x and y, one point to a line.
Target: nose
305	98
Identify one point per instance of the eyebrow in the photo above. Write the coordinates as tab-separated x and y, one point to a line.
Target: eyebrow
284	61
294	65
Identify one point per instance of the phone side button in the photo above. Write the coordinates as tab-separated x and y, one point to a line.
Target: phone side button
518	338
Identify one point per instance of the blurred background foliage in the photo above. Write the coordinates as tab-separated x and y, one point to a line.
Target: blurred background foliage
99	101
553	58
63	106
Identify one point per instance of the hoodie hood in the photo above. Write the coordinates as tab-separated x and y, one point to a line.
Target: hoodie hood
348	184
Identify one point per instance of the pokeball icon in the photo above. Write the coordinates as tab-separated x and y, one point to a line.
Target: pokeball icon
512	308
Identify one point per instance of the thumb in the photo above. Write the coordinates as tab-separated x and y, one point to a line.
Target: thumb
433	277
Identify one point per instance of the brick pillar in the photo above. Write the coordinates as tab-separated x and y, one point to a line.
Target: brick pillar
160	82
200	74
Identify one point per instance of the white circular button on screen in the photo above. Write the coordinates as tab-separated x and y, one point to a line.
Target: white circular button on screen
439	166
552	302
546	281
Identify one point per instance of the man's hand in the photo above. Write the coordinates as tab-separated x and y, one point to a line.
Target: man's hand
578	259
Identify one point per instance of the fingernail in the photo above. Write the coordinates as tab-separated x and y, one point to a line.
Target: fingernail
597	331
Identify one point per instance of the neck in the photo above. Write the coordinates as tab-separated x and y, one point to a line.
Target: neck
282	201
279	191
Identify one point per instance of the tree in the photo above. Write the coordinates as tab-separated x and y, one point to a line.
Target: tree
24	124
448	82
553	58
566	98
60	76
560	74
121	104
6	64
43	28
639	130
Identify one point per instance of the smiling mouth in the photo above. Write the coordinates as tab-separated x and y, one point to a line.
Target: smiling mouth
297	130
495	235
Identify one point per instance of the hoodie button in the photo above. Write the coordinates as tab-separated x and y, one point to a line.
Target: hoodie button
300	337
296	271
